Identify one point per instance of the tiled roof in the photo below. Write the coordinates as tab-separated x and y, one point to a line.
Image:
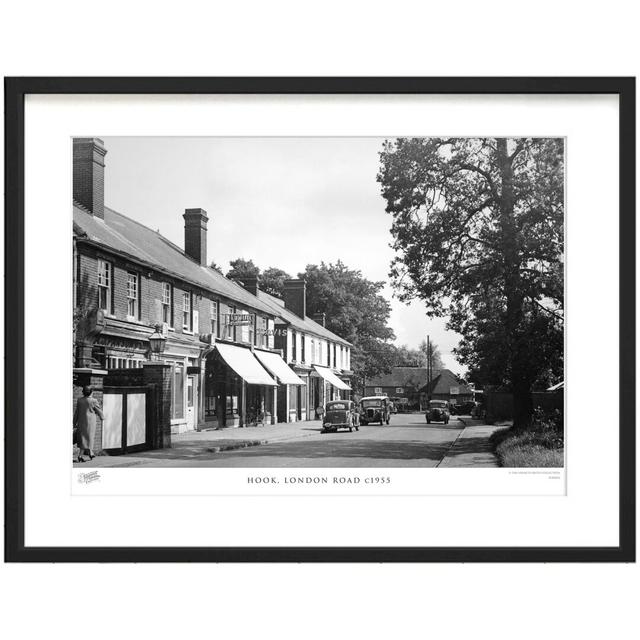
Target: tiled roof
444	381
401	377
307	325
127	236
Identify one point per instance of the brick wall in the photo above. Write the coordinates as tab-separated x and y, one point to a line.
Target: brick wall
149	293
157	376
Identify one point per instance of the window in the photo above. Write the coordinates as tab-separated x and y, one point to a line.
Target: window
335	348
133	307
313	350
177	410
215	325
166	303
328	355
252	329
302	351
186	311
378	391
399	390
261	330
294	346
105	283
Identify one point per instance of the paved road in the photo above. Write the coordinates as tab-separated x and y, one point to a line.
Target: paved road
407	442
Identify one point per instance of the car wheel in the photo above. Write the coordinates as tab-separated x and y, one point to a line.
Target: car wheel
428	421
350	429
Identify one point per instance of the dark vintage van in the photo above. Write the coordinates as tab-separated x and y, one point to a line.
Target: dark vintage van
375	409
340	414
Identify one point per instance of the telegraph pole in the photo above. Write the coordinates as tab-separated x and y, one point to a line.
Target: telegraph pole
428	369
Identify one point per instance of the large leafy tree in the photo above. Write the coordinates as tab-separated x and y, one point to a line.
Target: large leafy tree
478	231
356	311
241	268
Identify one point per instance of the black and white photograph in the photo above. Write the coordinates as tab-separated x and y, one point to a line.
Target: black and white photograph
318	303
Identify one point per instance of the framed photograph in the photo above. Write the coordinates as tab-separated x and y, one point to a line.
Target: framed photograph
320	319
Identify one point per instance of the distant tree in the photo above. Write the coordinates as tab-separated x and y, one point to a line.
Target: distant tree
215	267
272	281
355	311
241	268
478	231
431	349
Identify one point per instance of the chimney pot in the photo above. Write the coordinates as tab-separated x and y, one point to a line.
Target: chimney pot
195	234
88	174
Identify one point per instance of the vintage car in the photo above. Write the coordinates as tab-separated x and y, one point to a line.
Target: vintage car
340	414
438	411
375	409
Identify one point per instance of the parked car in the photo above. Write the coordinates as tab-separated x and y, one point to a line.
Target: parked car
340	414
438	411
375	409
463	409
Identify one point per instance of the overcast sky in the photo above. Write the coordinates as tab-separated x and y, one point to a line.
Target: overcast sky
282	202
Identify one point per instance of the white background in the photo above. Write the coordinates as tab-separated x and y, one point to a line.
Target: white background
548	38
497	517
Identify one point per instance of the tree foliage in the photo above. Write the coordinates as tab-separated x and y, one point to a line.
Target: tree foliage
241	268
408	357
356	311
272	281
478	231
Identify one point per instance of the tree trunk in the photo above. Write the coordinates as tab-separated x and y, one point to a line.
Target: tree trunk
521	388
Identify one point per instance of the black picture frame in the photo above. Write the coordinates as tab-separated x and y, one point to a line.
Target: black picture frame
15	91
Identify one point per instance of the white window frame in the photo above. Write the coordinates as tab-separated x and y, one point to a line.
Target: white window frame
186	310
166	303
105	283
133	295
215	318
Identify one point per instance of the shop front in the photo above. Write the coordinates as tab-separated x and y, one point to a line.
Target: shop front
238	390
291	386
328	386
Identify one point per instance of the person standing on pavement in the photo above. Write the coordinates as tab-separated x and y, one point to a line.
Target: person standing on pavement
84	419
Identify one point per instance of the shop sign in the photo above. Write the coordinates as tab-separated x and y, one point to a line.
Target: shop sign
239	319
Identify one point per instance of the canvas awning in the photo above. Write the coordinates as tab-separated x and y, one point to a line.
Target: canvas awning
245	364
277	367
331	378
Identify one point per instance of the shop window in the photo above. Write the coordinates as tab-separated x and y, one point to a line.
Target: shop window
293	398
105	286
166	304
133	306
232	405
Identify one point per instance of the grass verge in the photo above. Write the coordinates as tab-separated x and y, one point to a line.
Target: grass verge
528	448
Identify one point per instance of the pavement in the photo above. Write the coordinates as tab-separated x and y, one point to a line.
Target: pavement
407	442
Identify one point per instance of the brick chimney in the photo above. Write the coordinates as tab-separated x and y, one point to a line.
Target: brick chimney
88	174
195	234
320	318
295	297
250	285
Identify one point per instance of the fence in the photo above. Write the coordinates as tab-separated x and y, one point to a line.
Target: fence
499	404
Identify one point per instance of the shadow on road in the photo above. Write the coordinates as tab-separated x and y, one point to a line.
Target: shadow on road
397	450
